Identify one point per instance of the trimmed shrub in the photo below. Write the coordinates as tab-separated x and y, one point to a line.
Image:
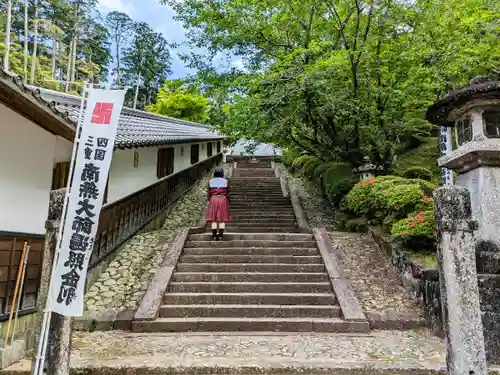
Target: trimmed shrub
336	190
417	231
418	172
388	198
289	155
303	162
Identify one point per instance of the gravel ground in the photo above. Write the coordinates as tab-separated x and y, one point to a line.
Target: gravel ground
370	271
318	210
126	279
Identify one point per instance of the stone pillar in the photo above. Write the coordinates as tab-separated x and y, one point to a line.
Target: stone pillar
59	345
465	350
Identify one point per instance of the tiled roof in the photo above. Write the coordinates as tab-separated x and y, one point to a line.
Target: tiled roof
135	128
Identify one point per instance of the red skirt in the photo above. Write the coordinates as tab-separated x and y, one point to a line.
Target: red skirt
218	210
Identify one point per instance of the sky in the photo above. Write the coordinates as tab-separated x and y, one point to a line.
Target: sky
161	19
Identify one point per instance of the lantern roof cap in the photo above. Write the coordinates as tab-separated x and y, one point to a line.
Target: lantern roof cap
480	89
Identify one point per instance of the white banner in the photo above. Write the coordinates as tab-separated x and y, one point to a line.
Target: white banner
90	175
445	146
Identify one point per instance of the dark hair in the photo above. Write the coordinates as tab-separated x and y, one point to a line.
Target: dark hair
219	172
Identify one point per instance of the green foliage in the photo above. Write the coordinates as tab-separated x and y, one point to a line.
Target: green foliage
418	172
417	227
425	155
185	103
338	188
289	155
388	198
337	82
305	165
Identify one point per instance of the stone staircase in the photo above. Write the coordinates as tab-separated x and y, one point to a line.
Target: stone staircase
265	275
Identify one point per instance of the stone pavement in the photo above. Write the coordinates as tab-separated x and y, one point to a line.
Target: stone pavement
125	280
386	351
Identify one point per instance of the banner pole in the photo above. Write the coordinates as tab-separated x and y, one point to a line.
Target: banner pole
42	344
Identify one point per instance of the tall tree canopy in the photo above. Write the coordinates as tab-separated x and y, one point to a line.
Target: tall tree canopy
342	79
69	43
181	100
147	59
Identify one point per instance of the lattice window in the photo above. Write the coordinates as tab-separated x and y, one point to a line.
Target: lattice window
165	165
464	131
210	149
491	119
195	154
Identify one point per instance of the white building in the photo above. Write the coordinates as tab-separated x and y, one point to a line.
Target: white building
156	160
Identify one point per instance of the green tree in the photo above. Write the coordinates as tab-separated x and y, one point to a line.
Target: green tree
342	79
146	60
119	25
176	99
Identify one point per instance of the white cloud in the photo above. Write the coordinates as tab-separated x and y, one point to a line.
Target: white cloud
117	5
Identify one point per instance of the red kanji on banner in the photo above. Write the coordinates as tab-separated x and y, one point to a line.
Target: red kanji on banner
102	113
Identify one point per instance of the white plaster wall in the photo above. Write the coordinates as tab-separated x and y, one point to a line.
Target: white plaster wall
64	150
26	163
124	179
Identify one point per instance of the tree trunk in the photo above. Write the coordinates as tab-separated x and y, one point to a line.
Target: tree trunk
117	66
54	56
26	32
6	56
68	65
73	59
35	42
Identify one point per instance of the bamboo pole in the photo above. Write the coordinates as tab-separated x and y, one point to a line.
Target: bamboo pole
18	281
25	265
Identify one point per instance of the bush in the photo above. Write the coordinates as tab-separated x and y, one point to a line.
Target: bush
289	155
417	231
326	174
388	198
418	172
305	164
336	190
426	154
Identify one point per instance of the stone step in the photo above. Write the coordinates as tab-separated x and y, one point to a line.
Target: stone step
255	222
250	311
261	206
237	229
264	215
249	267
248	287
250	243
251	325
250	251
280	259
253	236
249	299
263	211
249	277
240	223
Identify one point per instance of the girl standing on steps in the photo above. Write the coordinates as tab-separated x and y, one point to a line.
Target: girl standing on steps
218	204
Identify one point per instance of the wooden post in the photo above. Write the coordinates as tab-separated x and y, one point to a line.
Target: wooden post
465	350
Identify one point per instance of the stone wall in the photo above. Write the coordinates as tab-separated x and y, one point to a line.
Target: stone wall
421	283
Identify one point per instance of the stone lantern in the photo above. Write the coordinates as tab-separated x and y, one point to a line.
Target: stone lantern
474	113
367	170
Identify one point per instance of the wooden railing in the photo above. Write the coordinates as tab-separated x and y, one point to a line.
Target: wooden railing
119	220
